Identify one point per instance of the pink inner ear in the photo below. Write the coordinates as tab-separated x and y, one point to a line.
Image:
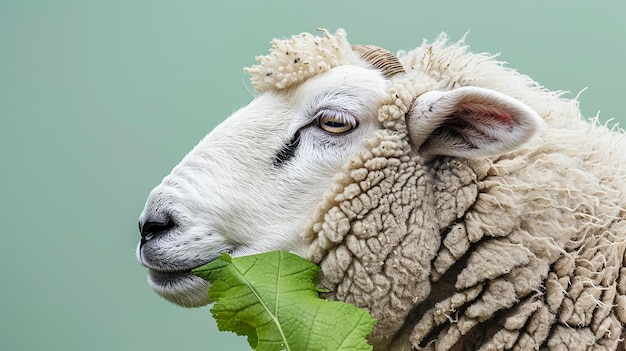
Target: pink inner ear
469	122
489	113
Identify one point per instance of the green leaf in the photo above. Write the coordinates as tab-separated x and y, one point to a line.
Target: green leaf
272	298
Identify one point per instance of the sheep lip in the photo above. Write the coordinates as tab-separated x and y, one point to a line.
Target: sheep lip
159	275
165	276
172	273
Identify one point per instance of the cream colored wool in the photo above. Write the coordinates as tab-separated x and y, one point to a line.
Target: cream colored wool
522	251
293	61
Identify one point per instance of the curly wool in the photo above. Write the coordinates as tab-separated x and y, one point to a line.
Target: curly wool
293	61
521	251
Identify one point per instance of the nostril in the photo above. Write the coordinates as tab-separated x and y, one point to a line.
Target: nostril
152	228
156	227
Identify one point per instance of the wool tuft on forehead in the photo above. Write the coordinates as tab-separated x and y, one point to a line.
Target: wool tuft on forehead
292	61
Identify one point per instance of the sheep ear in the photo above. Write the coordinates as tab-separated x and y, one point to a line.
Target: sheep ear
469	122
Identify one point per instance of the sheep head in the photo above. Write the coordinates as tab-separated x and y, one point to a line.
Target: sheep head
251	185
330	120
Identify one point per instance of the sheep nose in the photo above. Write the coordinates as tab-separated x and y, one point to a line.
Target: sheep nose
151	228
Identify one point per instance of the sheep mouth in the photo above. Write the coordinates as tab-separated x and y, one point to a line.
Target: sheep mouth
180	286
167	276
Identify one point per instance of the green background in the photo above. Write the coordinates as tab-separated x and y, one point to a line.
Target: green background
99	100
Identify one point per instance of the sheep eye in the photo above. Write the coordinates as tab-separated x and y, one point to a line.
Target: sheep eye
334	122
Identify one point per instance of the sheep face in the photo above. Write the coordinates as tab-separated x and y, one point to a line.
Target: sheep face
259	180
252	184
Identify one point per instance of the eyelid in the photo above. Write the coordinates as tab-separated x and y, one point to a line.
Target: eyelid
339	103
341	115
335	121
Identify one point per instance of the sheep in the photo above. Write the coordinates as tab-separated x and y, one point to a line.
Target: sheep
460	202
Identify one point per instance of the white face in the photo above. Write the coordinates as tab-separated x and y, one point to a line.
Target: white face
252	184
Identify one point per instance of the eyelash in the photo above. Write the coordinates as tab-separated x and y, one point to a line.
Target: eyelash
334	121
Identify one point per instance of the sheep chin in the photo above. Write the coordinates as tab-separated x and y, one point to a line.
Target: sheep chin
181	288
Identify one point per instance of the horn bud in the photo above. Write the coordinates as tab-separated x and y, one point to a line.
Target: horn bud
379	58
